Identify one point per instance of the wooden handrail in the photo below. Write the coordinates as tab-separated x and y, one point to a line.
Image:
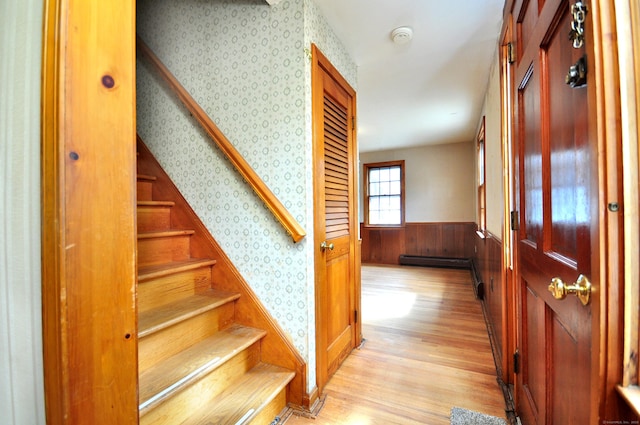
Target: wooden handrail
260	188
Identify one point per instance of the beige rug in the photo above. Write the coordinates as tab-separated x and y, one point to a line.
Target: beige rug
460	416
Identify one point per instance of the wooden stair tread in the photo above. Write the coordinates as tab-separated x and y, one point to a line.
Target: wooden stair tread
146	177
245	398
158	270
167	315
165	234
156	203
178	372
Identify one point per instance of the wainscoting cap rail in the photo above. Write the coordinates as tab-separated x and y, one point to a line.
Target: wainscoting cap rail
257	184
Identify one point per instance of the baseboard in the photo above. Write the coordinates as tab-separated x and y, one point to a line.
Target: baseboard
310	400
312	412
419	260
447	262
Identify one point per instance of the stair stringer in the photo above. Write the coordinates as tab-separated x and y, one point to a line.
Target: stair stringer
276	349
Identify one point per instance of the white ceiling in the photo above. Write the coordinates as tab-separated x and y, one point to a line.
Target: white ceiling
430	90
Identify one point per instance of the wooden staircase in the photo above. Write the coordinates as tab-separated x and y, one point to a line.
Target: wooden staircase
198	362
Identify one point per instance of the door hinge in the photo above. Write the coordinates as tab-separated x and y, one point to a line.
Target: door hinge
511	53
514	220
516	362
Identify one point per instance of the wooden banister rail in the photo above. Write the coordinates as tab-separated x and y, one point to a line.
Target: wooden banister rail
260	188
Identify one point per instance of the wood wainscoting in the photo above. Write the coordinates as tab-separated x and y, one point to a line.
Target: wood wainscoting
384	245
488	260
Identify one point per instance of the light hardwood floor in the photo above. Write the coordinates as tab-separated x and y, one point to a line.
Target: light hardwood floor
426	351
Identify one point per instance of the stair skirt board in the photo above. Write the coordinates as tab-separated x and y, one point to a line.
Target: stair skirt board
447	262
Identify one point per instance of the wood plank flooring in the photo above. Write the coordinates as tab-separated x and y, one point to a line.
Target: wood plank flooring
426	351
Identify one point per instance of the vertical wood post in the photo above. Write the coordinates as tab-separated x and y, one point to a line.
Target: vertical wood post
88	199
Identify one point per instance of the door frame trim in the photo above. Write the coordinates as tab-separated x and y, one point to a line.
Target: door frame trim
88	132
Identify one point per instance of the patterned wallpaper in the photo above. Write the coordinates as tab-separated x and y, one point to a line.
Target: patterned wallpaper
245	63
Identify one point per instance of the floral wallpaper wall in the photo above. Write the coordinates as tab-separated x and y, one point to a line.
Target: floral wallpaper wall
245	63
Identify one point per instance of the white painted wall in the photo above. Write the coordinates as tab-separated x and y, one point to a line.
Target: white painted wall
439	181
21	365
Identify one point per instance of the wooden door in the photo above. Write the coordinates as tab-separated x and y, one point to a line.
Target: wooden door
556	173
335	217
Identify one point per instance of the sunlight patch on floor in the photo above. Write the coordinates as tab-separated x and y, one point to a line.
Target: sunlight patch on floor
387	306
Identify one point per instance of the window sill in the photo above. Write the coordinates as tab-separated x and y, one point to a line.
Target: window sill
383	226
631	395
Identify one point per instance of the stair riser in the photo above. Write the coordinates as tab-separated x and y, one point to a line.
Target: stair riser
182	406
154	218
167	342
160	291
163	250
272	409
144	190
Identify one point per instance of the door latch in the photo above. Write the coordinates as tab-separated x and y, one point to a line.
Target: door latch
577	75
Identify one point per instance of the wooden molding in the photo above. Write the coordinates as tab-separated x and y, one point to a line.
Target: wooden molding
242	166
88	212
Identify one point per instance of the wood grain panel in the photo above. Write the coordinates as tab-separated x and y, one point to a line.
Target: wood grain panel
88	207
531	198
566	148
533	347
384	245
526	21
488	260
566	380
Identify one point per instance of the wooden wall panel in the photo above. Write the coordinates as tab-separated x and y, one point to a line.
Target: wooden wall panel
385	245
489	265
382	245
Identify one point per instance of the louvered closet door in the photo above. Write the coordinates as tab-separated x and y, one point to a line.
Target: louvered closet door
335	223
336	191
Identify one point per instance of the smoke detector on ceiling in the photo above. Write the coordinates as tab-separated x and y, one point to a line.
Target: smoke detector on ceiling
401	35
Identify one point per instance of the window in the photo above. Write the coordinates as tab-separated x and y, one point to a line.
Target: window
384	194
482	197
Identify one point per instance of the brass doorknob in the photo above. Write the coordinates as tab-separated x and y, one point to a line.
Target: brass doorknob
324	246
581	287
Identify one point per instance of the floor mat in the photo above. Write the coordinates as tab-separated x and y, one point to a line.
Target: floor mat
460	416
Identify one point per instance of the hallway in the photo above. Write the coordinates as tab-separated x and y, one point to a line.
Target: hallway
426	350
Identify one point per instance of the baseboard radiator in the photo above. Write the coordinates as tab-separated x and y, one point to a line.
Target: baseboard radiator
448	262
